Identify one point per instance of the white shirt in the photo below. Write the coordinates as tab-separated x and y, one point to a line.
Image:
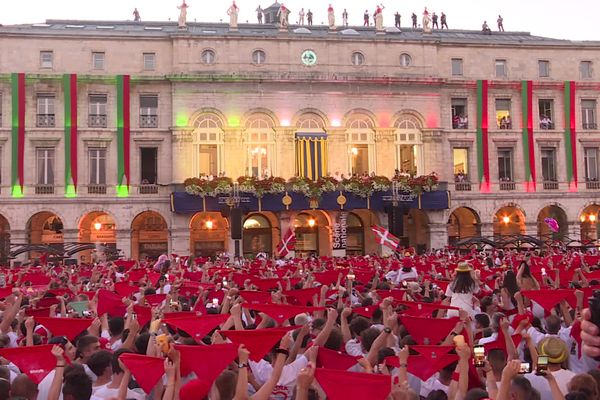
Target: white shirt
284	389
431	385
105	393
562	377
354	348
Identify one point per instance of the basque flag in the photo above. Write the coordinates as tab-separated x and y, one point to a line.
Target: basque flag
287	244
384	237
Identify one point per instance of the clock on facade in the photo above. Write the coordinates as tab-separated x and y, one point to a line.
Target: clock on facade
309	57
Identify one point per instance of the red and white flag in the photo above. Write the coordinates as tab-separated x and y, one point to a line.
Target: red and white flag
384	237
287	244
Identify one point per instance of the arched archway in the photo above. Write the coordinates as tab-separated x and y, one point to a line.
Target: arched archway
258	236
554	212
463	223
46	228
312	230
509	220
355	235
590	229
149	236
4	238
209	234
416	229
96	227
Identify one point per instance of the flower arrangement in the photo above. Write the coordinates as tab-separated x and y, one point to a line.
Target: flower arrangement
208	187
362	186
260	187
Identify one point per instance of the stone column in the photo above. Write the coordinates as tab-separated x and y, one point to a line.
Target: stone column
574	230
284	159
385	152
438	235
433	159
487	229
19	237
531	229
234	153
124	242
179	239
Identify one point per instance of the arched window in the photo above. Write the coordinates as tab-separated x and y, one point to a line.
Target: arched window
256	222
260	144
409	145
208	145
360	138
311	122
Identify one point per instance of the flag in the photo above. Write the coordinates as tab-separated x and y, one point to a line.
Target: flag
287	244
385	238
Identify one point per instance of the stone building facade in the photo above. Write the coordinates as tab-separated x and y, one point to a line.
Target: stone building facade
206	100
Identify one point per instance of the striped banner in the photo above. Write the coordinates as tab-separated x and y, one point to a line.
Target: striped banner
311	155
18	133
483	158
570	135
123	135
70	93
527	124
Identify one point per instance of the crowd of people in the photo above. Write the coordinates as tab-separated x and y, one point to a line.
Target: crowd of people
441	325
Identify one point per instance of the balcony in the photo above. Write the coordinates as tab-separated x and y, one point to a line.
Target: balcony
462	186
96	189
550	185
546	126
148	121
592	185
97	121
45	121
508	186
44	189
148	189
589	125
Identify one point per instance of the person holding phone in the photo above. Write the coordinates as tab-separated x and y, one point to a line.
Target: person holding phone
551	360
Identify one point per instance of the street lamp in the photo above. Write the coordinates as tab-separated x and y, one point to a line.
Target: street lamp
97	226
209	224
311	222
506	219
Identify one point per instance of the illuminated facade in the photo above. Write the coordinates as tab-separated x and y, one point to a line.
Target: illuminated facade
508	120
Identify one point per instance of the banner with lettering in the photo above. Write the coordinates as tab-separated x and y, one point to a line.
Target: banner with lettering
340	231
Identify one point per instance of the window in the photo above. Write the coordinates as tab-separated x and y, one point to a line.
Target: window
405	60
358	58
361	144
207	57
149	61
501	69
97	160
259	57
588	114
591	164
148	165
359	159
457	67
409	146
585	68
98	60
45	166
460	157
148	111
460	119
46	59
97	113
45	111
503	118
549	164
505	170
546	108
544	68
208	141
260	145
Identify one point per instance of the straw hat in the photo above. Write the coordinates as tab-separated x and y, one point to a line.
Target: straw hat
555	349
463	267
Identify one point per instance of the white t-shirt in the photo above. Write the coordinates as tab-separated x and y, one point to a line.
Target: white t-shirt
431	385
463	301
107	393
284	389
354	348
562	377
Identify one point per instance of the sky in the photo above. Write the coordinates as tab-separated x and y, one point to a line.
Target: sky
551	18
